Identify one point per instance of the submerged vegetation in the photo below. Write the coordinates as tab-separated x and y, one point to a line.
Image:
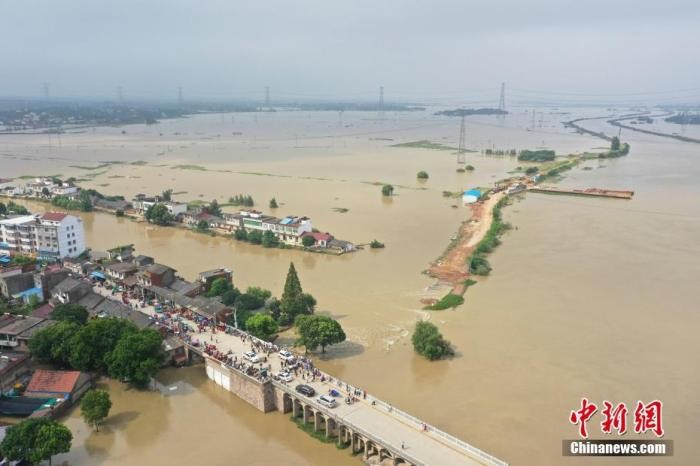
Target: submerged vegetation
429	342
472	111
245	200
541	155
425	144
450	300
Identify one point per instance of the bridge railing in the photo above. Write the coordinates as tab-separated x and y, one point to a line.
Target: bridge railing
373	437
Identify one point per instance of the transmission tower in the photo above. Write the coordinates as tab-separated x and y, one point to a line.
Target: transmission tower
462	141
179	95
502	100
267	97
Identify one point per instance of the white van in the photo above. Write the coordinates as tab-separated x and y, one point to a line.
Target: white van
327	400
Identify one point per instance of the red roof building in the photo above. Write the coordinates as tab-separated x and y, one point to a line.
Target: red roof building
54	216
58	384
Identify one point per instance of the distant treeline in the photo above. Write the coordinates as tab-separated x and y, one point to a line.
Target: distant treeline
542	155
472	111
684	119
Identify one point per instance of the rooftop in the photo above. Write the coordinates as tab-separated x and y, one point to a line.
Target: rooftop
19	324
158	269
9	359
54	216
47	381
20	219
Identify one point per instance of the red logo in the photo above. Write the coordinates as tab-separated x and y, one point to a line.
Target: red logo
647	417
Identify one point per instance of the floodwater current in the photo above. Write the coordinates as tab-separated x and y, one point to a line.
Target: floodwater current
591	298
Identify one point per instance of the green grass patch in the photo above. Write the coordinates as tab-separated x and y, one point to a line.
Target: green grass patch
139	163
426	144
188	167
448	301
478	264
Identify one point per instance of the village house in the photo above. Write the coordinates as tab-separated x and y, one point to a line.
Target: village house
70	291
141	203
156	275
119	271
143	261
208	276
13	365
46	279
320	239
16	331
67	385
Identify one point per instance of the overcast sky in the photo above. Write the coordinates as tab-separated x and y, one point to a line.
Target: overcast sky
426	49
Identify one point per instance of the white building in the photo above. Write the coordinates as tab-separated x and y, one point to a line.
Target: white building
53	234
60	235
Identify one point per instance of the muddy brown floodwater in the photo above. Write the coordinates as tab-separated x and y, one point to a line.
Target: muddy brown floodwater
588	297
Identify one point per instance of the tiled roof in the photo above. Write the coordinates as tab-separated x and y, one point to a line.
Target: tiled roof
46	381
54	216
42	312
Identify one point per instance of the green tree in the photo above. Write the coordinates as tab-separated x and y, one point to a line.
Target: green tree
93	343
17	209
84	201
158	214
428	341
95	407
315	331
55	344
35	439
308	241
219	287
52	439
45	192
229	296
422	175
202	225
294	301
255	237
261	326
248	302
3	209
387	190
136	357
167	195
213	208
615	144
269	240
241	234
70	313
273	203
260	293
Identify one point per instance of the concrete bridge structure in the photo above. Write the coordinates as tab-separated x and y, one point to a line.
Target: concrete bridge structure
369	427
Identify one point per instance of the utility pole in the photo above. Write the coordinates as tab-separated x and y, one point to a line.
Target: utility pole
502	99
381	102
462	141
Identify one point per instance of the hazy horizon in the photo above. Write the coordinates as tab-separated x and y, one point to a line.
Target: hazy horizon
546	51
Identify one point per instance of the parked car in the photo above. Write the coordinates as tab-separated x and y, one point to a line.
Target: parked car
286	355
285	376
252	356
305	390
327	400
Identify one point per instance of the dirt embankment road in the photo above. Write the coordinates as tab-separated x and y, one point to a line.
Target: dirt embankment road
452	267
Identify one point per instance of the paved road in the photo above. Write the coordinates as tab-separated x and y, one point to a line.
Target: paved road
378	420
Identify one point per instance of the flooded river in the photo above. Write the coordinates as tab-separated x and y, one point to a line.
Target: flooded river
588	297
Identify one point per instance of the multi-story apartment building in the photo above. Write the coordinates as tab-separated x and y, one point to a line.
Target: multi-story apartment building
288	229
51	235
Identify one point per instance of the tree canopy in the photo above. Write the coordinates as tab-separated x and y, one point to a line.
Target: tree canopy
35	440
261	325
422	175
93	343
95	407
158	214
136	357
308	241
315	331
219	286
428	341
615	143
294	301
269	240
387	190
273	203
55	344
70	313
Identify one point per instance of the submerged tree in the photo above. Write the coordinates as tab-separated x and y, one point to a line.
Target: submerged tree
273	203
428	341
95	407
387	190
294	301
